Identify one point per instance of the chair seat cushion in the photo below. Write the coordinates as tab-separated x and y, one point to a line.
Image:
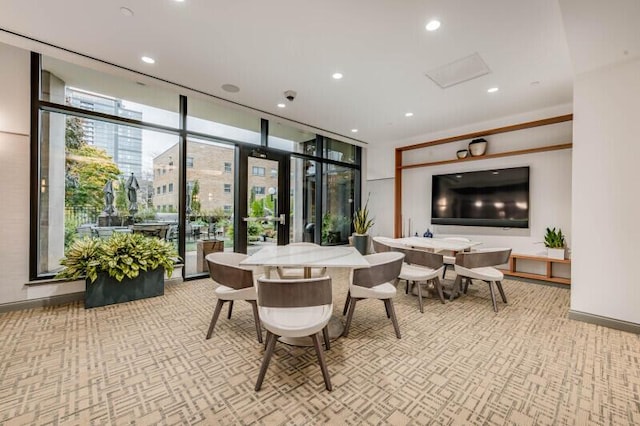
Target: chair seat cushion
417	273
487	273
449	260
382	291
295	322
228	293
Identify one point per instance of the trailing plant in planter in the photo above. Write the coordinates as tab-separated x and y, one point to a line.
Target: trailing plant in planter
120	256
554	239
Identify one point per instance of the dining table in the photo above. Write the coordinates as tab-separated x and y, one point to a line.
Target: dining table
308	257
437	244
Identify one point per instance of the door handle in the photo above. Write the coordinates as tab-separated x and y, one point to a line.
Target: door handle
280	219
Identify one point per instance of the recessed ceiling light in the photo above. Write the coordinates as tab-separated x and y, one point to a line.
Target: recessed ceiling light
281	105
231	88
126	11
179	1
408	114
337	76
433	25
492	90
354	130
148	60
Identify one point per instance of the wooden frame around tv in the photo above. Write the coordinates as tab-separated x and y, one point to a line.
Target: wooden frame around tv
399	167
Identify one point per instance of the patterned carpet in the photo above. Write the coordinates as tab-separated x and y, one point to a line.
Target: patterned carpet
147	362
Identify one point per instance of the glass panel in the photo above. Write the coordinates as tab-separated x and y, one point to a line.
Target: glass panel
340	151
303	200
339	184
81	87
209	225
85	186
262	202
291	139
222	121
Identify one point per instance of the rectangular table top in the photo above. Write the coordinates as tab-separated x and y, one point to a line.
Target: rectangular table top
437	244
307	256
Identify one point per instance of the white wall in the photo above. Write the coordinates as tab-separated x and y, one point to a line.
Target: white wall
606	192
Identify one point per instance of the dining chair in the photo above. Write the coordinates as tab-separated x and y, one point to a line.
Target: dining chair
294	272
450	260
481	266
422	268
376	282
234	283
295	308
409	272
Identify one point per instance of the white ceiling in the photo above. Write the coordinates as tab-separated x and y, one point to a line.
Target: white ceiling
381	47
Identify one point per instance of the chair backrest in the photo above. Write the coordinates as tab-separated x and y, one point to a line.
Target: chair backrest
479	259
379	245
384	267
422	258
224	268
297	293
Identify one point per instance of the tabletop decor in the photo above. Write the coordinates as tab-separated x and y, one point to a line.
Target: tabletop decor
119	269
555	243
361	225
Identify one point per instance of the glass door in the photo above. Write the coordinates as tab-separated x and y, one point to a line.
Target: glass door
263	199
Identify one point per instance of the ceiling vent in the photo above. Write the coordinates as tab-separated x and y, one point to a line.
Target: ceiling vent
459	71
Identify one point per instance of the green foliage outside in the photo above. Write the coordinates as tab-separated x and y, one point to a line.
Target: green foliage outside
121	201
122	255
196	206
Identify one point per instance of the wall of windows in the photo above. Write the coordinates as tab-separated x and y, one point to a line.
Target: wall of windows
98	130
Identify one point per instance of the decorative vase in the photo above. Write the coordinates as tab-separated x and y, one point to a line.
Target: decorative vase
463	153
361	242
107	290
478	147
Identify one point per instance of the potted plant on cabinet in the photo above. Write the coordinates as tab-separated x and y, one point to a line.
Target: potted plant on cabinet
121	268
555	243
361	225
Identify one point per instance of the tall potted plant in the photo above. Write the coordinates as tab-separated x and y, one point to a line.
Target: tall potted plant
121	268
555	243
361	225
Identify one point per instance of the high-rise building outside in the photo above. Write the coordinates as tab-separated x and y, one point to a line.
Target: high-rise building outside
122	143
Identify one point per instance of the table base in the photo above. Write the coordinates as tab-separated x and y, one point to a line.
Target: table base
336	327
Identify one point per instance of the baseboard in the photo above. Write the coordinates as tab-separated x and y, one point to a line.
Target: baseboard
629	327
60	299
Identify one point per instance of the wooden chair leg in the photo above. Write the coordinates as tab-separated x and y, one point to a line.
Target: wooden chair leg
493	296
406	288
321	361
346	303
214	319
256	319
386	308
419	299
352	307
499	285
444	271
325	335
466	285
271	343
230	309
394	319
438	285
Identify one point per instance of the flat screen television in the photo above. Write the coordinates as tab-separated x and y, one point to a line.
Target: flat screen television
498	197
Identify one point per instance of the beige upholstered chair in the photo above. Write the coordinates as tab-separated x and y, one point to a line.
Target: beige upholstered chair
481	266
235	283
422	267
450	258
295	308
375	282
293	273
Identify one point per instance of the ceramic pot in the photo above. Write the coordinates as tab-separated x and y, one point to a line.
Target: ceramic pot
478	147
463	153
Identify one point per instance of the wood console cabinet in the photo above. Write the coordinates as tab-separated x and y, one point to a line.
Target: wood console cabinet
513	270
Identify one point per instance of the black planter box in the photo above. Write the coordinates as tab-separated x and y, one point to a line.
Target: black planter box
107	290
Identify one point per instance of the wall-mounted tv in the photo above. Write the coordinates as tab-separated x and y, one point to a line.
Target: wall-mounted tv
497	197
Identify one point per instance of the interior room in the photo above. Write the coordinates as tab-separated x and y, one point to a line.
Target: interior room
277	168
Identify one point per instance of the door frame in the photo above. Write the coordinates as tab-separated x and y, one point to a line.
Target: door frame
241	208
